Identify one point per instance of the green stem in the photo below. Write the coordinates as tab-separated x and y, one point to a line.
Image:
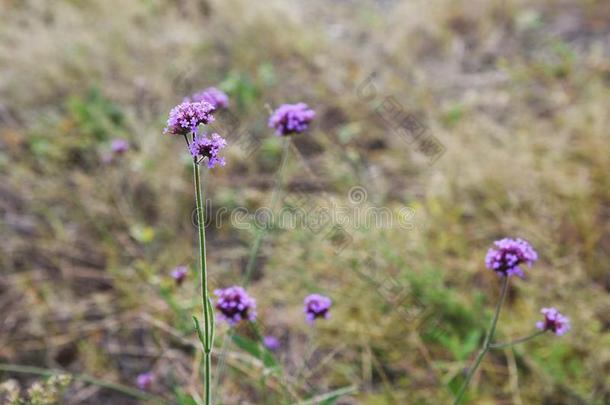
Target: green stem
207	317
514	342
486	344
14	368
208	377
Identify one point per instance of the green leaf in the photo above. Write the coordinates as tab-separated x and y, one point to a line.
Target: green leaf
198	329
183	398
212	318
330	397
470	344
249	346
255	349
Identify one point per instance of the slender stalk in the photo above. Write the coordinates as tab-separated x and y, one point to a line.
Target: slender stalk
486	344
517	341
206	337
14	368
208	378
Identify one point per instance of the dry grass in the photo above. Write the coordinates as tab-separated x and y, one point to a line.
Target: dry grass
516	91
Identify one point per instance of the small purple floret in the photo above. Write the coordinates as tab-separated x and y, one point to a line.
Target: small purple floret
271	342
144	381
186	117
204	147
119	146
316	306
179	274
291	119
212	95
554	321
506	257
235	305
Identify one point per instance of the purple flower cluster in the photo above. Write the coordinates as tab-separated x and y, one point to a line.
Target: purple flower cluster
217	98
291	118
187	116
316	306
554	321
235	305
271	342
204	147
508	255
144	380
179	274
119	146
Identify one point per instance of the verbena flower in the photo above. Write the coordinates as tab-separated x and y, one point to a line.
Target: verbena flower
271	342
179	274
208	147
554	321
119	146
235	305
508	255
316	306
212	95
144	381
187	116
291	118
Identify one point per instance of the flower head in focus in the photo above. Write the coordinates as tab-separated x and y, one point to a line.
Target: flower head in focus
179	274
187	116
235	305
217	98
508	255
144	380
316	306
291	119
208	147
554	321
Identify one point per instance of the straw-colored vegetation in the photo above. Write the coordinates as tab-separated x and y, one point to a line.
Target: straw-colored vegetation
516	91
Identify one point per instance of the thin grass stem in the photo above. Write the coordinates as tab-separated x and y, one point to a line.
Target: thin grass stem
486	344
517	341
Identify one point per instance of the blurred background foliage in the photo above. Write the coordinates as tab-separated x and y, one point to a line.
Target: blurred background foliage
517	92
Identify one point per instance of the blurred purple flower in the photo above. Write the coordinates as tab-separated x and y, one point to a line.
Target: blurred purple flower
316	306
271	342
179	274
554	321
212	95
186	117
507	256
235	305
204	147
291	118
145	380
119	146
